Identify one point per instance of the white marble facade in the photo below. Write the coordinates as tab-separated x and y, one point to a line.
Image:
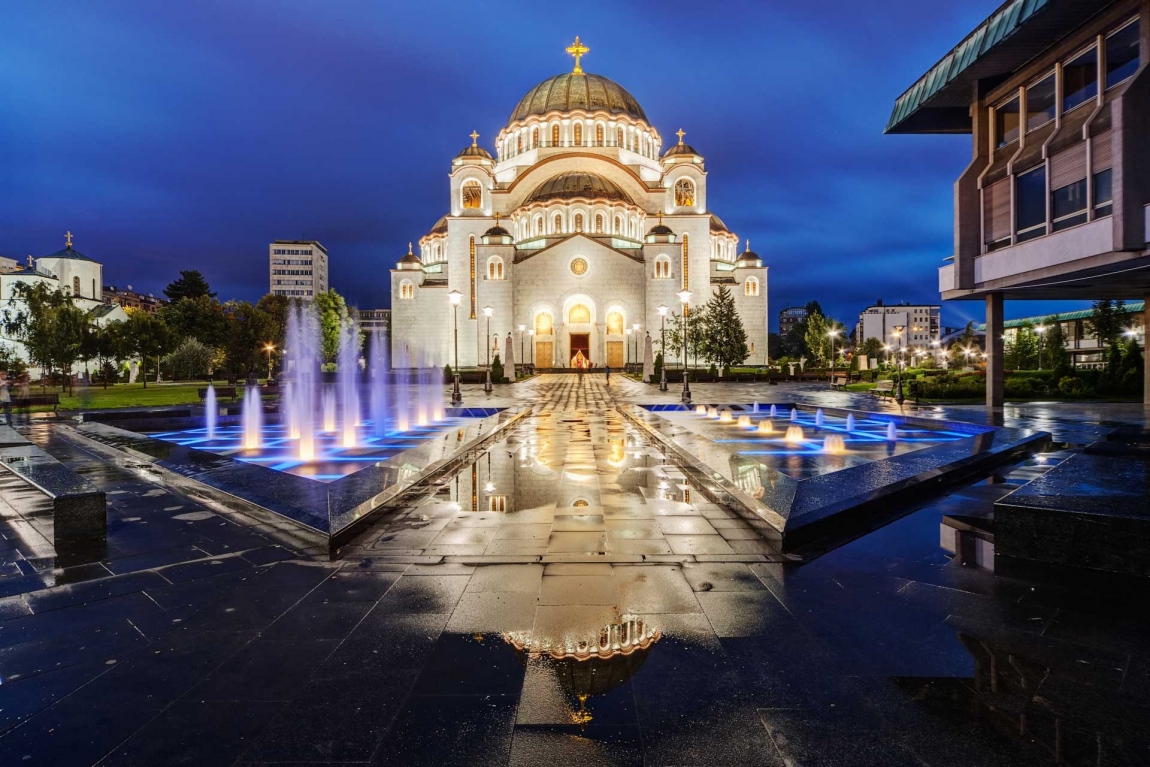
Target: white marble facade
578	228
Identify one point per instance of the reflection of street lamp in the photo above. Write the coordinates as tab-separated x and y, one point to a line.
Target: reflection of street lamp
521	329
627	332
455	297
897	333
663	347
831	334
685	298
269	348
487	312
531	335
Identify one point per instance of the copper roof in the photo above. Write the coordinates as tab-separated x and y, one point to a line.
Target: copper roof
568	91
574	184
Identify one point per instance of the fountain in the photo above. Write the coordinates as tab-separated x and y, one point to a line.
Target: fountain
850	421
891	432
766	427
726	417
327	398
745	421
774	412
834	443
211	412
755	407
302	357
347	380
712	412
700	409
402	409
794	434
378	366
819	417
794	414
252	418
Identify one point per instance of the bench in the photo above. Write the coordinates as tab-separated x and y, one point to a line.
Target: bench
839	382
883	388
78	508
222	392
36	400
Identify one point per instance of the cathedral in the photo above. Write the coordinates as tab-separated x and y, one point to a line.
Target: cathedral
570	239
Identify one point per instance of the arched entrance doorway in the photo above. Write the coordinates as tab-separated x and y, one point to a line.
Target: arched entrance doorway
579	338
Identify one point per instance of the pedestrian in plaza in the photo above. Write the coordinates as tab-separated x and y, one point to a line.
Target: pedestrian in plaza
608	369
6	399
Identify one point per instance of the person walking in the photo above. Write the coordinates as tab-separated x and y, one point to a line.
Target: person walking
607	368
6	400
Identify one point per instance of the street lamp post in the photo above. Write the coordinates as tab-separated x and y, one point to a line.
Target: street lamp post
521	360
455	297
636	358
899	397
627	333
663	347
531	335
832	333
487	312
685	298
269	348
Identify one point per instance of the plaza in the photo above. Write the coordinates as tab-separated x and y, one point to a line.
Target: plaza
200	635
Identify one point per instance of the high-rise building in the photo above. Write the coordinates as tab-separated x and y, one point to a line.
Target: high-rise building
790	317
297	268
917	325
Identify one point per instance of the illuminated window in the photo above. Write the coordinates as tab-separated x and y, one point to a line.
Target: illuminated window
518	142
472	194
495	268
543	324
538	225
579	314
534	137
554	135
598	135
684	193
406	290
557	224
662	268
497	503
751	286
578	134
598	223
619	137
578	222
619	225
615	324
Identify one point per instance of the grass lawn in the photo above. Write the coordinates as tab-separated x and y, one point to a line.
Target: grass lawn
126	395
861	386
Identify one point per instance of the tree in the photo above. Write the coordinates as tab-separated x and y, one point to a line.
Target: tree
816	337
1054	356
872	347
48	323
968	340
108	349
191	359
696	322
145	335
333	316
276	309
1106	321
191	284
198	317
248	329
724	340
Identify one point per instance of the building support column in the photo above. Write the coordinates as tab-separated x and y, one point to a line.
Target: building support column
995	352
1146	354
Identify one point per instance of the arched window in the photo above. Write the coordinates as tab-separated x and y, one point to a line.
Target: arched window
543	325
751	286
534	137
472	194
618	137
406	290
538	225
75	286
619	225
557	224
555	135
495	268
598	223
579	314
614	324
662	268
578	134
578	222
598	135
518	142
684	193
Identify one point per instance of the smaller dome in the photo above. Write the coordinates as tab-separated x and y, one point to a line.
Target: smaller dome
749	257
474	151
681	149
410	260
717	225
497	231
661	229
440	226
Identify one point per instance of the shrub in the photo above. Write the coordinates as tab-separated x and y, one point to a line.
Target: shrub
496	369
658	365
448	375
1071	386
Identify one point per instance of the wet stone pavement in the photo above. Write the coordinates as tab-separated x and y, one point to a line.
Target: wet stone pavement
476	626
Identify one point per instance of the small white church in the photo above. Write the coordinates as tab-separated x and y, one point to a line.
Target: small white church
571	238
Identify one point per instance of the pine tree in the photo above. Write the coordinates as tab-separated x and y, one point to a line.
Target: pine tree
724	341
191	284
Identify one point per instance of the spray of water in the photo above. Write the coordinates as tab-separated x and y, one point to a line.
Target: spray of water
347	380
252	417
211	412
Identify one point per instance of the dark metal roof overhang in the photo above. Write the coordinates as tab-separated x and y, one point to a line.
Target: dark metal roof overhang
1013	35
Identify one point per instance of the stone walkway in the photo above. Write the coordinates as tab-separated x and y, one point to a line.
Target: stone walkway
201	638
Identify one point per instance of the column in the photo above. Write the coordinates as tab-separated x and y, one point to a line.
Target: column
1146	354
995	379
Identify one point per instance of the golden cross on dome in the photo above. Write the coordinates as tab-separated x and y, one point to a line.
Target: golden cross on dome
474	137
680	133
68	239
409	249
577	49
748	244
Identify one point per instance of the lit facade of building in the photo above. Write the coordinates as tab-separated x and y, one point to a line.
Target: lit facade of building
578	229
790	317
918	325
1081	344
1054	204
297	268
130	299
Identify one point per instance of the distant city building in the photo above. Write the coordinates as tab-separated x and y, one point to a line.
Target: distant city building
1083	347
130	299
1055	202
8	265
789	317
374	319
297	268
919	324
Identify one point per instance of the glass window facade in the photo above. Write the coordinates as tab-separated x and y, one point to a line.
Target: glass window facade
1068	205
1122	54
1040	106
1103	193
1006	121
1030	204
1080	80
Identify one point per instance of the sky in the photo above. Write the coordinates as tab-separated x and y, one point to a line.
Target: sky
180	135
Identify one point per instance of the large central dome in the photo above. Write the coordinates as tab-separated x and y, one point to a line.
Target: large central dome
563	93
578	184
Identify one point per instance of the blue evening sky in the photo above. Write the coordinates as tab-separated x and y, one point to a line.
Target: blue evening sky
176	135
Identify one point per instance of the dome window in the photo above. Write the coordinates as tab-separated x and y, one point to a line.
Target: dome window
472	194
406	290
598	223
495	268
578	134
555	135
578	222
662	268
751	286
557	224
599	135
534	137
618	137
684	193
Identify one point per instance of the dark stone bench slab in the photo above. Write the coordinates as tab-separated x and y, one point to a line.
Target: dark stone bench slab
79	509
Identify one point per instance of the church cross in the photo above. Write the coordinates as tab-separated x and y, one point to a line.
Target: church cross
748	244
680	133
577	49
474	137
68	239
